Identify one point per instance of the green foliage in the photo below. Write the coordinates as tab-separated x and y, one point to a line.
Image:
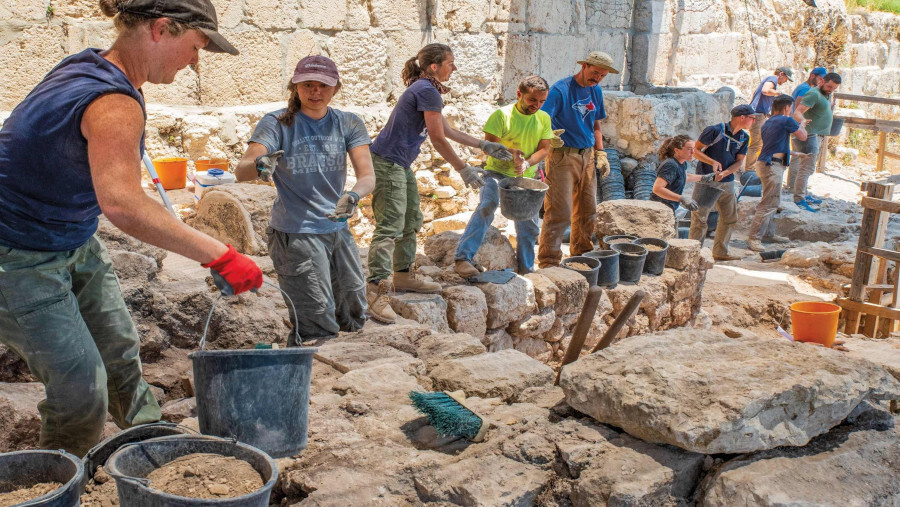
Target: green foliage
875	5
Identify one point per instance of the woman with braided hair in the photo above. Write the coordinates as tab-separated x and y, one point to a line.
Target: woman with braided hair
672	175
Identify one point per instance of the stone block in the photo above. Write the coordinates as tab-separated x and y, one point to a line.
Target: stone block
402	335
455	222
520	60
299	45
572	286
476	55
497	339
670	388
383	382
323	14
545	290
278	14
399	15
178	410
644	219
534	347
493	480
495	252
349	356
682	253
444	192
462	15
533	325
557	17
436	348
362	58
467	310
26	57
508	301
247	78
428	309
19	415
502	374
552	67
881	351
427	182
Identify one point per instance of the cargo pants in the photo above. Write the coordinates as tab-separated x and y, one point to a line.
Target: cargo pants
771	177
63	312
802	168
571	199
726	205
322	275
398	217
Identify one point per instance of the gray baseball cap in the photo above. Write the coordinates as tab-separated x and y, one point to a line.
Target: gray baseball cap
787	72
199	14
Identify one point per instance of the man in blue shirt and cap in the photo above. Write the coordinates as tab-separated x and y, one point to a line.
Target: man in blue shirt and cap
762	103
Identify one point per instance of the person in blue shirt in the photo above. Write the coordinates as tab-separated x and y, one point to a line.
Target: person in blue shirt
575	106
762	104
70	151
816	78
773	159
720	150
312	250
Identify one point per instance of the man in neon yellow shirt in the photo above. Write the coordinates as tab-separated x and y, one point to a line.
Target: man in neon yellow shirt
525	130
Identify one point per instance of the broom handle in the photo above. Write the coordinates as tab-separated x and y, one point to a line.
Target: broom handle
581	327
159	187
630	308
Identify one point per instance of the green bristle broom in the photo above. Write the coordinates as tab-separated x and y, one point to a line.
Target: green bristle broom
448	414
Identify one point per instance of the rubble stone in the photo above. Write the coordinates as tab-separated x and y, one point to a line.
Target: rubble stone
534	325
428	309
644	219
497	339
493	480
682	253
347	356
178	410
436	348
544	290
509	301
237	214
467	310
572	289
502	374
670	388
495	253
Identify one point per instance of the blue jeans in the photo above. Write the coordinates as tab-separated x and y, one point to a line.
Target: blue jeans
526	230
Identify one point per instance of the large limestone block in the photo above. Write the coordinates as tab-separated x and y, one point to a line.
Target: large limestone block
467	310
502	374
849	465
705	392
883	351
323	14
645	219
403	335
399	14
348	356
19	415
509	301
384	382
476	57
26	57
572	289
682	253
237	214
545	290
362	58
253	76
280	14
533	325
489	481
436	348
428	309
495	252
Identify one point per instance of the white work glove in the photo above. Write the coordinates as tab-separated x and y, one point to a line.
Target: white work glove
601	163
495	150
707	178
557	141
689	203
472	176
265	164
345	207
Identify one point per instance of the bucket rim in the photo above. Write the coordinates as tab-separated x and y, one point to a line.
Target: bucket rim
652	241
627	246
269	484
254	352
602	253
504	183
76	478
579	258
834	307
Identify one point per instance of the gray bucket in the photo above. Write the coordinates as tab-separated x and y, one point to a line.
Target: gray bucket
131	464
706	195
656	259
27	468
258	396
591	274
98	455
631	262
608	276
623	238
521	198
836	125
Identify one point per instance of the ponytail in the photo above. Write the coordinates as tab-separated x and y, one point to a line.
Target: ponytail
420	65
667	150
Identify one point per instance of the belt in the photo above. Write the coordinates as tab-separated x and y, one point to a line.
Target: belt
569	149
779	160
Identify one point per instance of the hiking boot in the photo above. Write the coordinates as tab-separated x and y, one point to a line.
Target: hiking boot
777	239
727	257
465	269
408	281
805	205
379	301
755	245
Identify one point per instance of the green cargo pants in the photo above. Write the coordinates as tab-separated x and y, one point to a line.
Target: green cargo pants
398	217
63	312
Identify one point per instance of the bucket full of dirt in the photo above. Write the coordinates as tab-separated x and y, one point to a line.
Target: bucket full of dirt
521	198
706	195
182	471
657	250
98	455
41	478
587	266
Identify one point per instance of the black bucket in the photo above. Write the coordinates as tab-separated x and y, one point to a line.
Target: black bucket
684	232
706	195
131	464
259	396
772	255
608	276
27	468
712	221
521	198
98	455
836	125
621	238
631	261
591	274
656	259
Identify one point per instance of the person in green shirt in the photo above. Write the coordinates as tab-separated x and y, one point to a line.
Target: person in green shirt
525	130
816	107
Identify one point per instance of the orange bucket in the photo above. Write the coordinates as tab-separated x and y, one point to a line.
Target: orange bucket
172	172
815	321
205	164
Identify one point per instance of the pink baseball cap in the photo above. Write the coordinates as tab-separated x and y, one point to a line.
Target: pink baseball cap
316	68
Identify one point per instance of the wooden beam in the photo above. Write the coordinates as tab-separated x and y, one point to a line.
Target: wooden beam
868	308
884	254
875	298
879	162
872	230
891	155
880	204
866	98
871	124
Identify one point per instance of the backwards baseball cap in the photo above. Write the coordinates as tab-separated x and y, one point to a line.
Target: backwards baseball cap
198	14
819	71
787	72
742	110
600	59
316	68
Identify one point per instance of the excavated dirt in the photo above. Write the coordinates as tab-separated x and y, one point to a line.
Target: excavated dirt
618	241
579	266
100	491
203	475
653	248
23	495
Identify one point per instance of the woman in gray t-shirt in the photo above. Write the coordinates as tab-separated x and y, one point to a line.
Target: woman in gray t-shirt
304	149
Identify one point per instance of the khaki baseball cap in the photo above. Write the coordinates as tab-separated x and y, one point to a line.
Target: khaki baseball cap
198	14
600	59
787	72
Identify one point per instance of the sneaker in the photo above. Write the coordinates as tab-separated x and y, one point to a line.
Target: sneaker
408	281
805	205
755	245
813	200
777	239
465	269
379	300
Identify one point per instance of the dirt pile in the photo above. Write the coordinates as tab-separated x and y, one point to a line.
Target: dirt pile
206	476
29	493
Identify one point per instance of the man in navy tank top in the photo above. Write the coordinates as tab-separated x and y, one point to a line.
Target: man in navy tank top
69	152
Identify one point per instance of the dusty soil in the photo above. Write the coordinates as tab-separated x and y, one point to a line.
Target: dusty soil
100	491
653	248
579	266
23	495
617	241
206	476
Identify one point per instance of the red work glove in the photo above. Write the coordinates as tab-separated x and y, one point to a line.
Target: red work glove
234	273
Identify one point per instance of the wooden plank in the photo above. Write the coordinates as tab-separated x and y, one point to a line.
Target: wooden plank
879	162
871	321
880	204
891	155
870	124
868	308
823	154
884	254
866	98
